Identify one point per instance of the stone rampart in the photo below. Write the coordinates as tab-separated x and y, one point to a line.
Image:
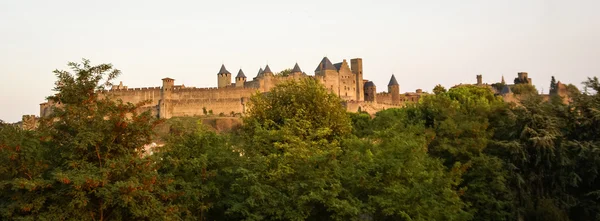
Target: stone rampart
200	107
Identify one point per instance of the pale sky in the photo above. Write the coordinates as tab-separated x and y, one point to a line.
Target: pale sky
423	43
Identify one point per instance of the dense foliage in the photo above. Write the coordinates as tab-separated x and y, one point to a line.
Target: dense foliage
460	154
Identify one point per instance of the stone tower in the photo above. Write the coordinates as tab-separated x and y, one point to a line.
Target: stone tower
328	75
479	80
296	71
357	70
522	78
267	81
165	98
394	90
240	79
259	74
224	77
370	91
267	71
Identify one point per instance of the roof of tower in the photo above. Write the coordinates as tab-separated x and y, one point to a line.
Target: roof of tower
393	81
267	70
260	72
338	66
223	70
504	82
369	84
506	90
240	74
296	69
325	64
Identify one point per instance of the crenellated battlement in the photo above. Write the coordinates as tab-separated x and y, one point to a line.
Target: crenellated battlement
343	79
202	100
135	89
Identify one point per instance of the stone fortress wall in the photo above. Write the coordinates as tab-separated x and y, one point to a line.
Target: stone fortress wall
232	93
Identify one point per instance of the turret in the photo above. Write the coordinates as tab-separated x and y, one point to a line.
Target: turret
240	79
357	70
224	77
370	91
394	89
267	71
165	97
168	84
325	67
522	78
296	70
479	80
329	75
259	74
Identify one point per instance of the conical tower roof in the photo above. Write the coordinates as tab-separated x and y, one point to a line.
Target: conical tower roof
325	64
369	84
506	90
393	81
296	69
260	72
223	70
503	82
240	74
267	70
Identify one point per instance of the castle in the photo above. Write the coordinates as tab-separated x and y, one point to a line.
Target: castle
230	97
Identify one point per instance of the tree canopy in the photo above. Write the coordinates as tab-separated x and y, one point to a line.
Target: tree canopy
460	154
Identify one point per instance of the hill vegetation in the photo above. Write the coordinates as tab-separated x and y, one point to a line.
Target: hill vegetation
461	154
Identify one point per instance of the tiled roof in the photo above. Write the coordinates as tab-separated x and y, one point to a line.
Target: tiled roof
325	64
393	81
296	69
369	84
223	70
267	70
240	74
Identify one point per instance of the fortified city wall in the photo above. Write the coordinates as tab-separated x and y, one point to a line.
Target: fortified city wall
231	95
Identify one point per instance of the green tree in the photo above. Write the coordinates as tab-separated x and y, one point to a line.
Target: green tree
553	87
498	86
291	138
284	73
202	165
553	152
91	150
362	124
438	89
304	106
393	177
524	89
457	124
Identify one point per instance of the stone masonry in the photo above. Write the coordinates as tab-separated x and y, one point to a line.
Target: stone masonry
230	97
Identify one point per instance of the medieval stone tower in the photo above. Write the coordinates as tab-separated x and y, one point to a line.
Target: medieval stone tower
224	77
357	70
394	90
165	97
479	80
326	71
296	72
522	78
370	91
240	79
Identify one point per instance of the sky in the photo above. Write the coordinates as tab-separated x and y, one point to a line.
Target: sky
423	43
